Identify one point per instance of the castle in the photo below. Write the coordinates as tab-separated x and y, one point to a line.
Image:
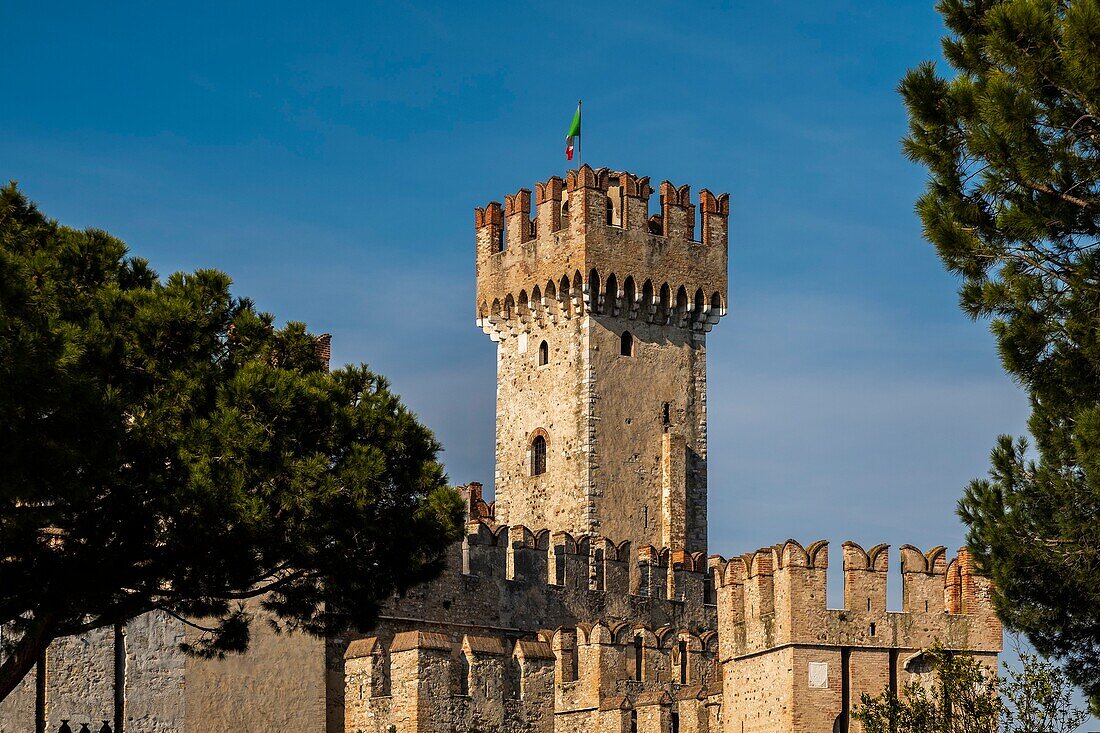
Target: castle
582	598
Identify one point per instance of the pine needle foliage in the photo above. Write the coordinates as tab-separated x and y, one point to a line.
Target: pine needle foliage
957	694
164	447
1011	141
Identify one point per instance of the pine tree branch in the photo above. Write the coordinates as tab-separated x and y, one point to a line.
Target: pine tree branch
1043	188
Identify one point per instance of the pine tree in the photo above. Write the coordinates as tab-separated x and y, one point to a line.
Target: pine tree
1012	146
163	446
959	695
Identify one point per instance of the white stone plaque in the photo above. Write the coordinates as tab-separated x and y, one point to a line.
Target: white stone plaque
523	343
819	675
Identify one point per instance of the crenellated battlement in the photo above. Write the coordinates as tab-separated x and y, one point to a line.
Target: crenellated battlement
533	629
586	563
589	673
593	247
777	596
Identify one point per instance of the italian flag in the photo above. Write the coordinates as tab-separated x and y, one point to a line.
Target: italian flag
574	133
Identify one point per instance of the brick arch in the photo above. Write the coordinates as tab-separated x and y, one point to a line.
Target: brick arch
538	452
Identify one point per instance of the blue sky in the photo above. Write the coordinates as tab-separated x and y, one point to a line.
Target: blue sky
329	156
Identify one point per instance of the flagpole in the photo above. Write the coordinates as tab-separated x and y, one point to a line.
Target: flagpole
580	113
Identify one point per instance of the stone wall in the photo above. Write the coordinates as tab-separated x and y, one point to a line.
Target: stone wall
626	435
551	400
424	681
648	478
780	642
280	682
82	674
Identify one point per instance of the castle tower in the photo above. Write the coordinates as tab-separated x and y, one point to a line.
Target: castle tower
600	313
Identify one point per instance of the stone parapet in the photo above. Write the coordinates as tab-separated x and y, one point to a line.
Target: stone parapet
587	676
777	596
593	247
527	580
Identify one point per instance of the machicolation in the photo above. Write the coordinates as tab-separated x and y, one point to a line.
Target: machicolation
593	246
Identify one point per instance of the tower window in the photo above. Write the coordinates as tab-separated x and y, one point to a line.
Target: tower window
626	344
544	353
538	456
666	414
682	649
638	652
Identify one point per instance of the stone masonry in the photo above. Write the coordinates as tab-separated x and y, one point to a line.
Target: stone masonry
582	600
624	425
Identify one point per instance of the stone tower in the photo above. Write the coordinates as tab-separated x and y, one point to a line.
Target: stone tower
600	313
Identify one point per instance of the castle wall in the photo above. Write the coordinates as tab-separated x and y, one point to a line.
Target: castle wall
642	493
776	633
436	683
280	683
81	679
507	579
551	399
17	709
757	694
607	467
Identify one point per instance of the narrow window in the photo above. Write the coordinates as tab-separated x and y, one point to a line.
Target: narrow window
682	648
463	675
666	414
674	722
638	649
381	688
598	555
845	688
538	456
709	596
626	344
574	662
645	517
633	721
610	212
559	565
515	679
544	353
872	629
893	673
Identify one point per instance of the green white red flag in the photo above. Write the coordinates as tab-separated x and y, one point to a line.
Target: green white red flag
574	133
